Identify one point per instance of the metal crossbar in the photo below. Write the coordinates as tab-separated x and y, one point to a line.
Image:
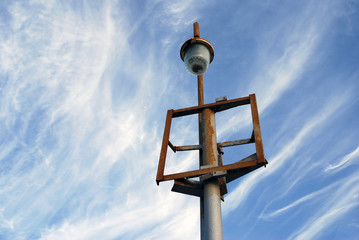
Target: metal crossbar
234	170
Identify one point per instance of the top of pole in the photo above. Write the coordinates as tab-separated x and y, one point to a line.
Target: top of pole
196	39
196	30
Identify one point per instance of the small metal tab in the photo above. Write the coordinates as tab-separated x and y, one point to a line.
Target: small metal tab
220	99
217	174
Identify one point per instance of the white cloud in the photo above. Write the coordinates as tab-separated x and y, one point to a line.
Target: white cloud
344	162
93	174
277	75
317	196
84	91
343	200
240	193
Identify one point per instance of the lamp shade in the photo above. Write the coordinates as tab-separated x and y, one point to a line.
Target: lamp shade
197	58
197	53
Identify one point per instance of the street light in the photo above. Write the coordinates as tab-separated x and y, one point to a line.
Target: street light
197	53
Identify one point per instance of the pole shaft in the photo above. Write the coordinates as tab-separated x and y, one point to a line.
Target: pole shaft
200	90
212	196
201	102
196	29
210	203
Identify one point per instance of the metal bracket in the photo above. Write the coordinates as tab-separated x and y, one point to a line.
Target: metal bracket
242	167
212	175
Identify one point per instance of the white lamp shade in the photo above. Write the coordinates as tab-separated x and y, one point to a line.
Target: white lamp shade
197	58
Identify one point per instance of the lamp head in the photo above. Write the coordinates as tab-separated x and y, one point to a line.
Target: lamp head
197	53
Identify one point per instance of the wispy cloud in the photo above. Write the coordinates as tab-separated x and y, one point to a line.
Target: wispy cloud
344	162
278	73
318	196
85	95
240	193
85	86
343	199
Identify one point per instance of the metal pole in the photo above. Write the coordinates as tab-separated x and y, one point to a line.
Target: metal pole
201	102
212	195
211	215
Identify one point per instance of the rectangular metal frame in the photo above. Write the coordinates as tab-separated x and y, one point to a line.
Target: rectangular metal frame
252	162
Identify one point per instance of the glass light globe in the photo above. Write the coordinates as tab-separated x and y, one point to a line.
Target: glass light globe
197	58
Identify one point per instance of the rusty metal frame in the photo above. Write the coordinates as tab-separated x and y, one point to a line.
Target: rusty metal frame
234	170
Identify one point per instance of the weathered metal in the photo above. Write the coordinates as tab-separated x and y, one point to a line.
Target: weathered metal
201	133
222	180
212	211
249	161
224	98
172	146
188	147
189	187
211	187
200	102
235	143
165	142
256	138
257	129
217	174
196	30
213	173
216	107
200	90
199	147
195	188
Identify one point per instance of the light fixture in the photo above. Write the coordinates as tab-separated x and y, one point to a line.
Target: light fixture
197	53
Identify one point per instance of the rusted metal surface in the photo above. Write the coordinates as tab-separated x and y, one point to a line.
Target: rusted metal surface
218	174
190	187
257	129
188	147
206	131
214	175
211	187
247	162
165	141
209	139
200	102
234	143
193	187
237	173
216	107
222	180
183	148
220	155
172	146
200	90
196	30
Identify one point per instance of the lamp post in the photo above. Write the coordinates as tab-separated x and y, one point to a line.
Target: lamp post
197	53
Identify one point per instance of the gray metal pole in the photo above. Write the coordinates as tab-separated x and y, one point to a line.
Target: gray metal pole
212	196
201	102
210	203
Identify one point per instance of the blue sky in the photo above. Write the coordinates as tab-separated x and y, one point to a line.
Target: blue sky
85	87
